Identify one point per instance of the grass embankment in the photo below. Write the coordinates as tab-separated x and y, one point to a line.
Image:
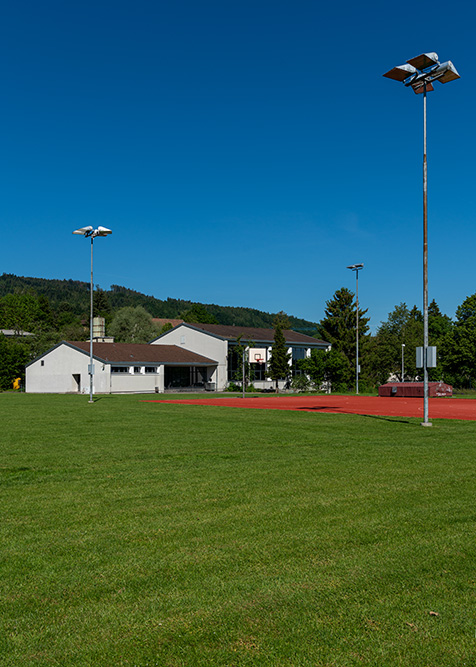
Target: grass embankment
150	534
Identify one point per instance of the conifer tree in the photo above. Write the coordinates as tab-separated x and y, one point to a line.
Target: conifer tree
278	368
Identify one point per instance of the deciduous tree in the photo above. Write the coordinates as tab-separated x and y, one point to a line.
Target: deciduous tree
133	325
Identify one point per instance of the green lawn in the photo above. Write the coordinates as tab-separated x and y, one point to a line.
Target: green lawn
146	534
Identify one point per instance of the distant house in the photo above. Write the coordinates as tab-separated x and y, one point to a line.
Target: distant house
118	368
12	333
219	342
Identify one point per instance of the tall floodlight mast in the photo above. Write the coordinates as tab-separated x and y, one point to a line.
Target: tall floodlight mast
90	232
419	74
356	268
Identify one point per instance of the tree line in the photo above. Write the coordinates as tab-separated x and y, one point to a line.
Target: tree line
73	296
24	309
36	323
380	355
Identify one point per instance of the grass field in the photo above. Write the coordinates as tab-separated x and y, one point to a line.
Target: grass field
149	534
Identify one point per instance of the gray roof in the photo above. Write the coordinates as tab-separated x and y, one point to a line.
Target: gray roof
135	353
257	334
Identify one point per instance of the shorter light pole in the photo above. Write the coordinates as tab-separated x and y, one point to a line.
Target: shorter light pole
403	362
90	232
245	351
356	268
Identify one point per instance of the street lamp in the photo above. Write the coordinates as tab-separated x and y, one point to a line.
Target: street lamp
356	268
419	74
90	232
403	363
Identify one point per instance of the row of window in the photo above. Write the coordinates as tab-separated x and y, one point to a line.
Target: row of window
137	370
258	371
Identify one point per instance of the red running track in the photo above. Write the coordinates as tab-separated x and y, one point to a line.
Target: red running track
439	408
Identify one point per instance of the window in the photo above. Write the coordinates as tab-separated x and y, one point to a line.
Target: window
42	362
299	353
233	363
137	369
257	372
150	369
119	369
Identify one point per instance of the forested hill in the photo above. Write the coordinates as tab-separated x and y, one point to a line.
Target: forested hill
73	295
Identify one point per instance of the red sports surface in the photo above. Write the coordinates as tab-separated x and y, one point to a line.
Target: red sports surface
439	408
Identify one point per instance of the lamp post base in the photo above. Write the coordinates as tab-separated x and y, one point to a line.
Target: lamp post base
426	424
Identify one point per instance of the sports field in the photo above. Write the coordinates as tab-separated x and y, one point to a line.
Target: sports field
439	408
142	534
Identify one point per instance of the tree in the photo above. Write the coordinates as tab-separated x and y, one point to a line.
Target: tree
282	319
338	327
439	325
240	352
198	314
383	353
133	325
278	367
458	346
330	367
19	312
14	354
101	305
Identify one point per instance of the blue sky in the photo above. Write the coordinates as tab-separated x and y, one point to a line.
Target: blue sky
243	153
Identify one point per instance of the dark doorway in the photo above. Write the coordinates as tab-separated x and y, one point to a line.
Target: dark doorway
182	377
76	382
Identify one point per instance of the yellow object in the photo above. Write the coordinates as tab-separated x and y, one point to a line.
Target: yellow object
16	383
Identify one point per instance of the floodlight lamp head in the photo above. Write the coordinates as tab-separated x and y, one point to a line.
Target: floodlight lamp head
83	231
355	267
91	232
401	72
424	61
420	72
101	231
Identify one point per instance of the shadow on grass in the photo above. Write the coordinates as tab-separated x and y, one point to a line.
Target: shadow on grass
400	420
335	410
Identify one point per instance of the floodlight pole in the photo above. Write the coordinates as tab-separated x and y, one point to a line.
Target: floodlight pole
91	329
357	331
403	362
356	268
243	362
90	232
425	268
419	73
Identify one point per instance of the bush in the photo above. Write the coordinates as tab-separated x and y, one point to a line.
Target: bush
300	383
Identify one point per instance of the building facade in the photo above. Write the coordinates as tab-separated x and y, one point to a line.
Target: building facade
118	368
220	342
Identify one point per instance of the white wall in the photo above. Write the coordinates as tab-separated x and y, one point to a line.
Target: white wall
137	382
53	373
202	343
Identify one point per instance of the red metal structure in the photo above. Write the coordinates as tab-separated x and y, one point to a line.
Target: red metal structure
414	389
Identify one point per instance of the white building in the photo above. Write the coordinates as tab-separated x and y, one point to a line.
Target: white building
118	368
219	342
188	357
